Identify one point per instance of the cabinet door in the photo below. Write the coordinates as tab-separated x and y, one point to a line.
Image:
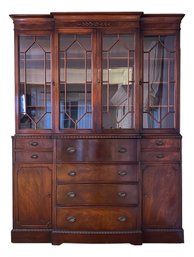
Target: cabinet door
32	196
118	80
160	82
161	196
34	78
97	80
75	80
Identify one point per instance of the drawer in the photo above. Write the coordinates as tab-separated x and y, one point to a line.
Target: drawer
102	150
160	143
33	143
160	156
75	173
34	157
94	219
97	194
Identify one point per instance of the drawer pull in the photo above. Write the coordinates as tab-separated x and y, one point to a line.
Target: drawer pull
71	194
34	143
70	149
160	156
159	142
122	150
122	172
122	218
122	194
34	156
72	173
71	219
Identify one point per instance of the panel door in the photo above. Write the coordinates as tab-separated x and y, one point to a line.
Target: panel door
33	196
161	196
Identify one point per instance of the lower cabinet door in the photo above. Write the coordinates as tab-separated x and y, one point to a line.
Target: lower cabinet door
161	196
32	192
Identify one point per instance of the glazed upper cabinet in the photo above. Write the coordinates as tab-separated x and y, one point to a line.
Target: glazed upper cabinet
85	69
95	80
98	76
97	149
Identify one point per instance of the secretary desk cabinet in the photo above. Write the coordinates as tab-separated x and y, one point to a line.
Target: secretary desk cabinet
97	149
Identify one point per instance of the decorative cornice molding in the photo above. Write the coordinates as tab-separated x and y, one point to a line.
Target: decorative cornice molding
94	24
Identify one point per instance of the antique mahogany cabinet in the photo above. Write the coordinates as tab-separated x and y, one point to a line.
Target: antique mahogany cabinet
97	149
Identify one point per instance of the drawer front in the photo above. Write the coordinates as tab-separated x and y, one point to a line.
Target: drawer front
34	157
75	173
33	143
105	150
160	156
100	194
160	143
95	219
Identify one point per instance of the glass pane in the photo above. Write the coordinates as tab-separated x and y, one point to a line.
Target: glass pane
75	81
75	106
35	82
118	80
159	82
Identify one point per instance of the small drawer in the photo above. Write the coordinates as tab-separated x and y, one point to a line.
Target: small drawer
33	157
94	219
160	143
160	156
33	143
98	173
106	150
100	194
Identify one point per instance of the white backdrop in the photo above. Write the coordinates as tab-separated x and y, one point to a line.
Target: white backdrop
7	126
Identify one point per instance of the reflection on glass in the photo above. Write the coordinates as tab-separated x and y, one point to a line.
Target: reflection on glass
75	81
159	82
118	81
35	82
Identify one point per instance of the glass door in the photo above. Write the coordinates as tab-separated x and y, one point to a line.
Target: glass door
75	80
34	82
118	61
159	82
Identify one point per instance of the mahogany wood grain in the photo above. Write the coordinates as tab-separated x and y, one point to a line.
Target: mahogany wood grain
96	173
97	185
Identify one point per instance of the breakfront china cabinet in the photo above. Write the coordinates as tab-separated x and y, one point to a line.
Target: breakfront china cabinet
97	148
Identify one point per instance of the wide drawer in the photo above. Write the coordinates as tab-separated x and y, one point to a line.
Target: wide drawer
160	143
160	156
97	218
33	157
75	173
105	150
33	143
97	194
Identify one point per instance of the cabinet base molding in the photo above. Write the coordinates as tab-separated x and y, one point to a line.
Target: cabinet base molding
57	237
31	236
163	236
134	237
